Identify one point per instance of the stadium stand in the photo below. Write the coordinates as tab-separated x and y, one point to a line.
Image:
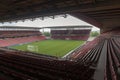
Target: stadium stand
70	32
103	54
20	40
35	68
19	36
15	34
83	64
74	34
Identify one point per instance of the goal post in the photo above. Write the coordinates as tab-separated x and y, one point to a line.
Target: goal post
32	48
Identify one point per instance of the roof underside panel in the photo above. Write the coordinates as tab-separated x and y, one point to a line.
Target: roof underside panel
97	11
22	9
11	10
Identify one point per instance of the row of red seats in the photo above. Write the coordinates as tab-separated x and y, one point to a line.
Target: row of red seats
12	34
84	49
70	31
90	54
113	60
76	37
35	68
20	40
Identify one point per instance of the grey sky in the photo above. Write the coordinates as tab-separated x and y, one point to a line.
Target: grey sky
59	21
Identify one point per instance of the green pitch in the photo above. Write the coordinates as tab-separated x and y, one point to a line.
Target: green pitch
50	47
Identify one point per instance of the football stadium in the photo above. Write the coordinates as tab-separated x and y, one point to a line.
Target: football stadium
67	54
63	40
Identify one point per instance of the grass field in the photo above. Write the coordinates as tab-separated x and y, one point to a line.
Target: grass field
50	47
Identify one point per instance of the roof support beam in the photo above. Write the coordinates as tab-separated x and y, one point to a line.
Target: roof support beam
87	19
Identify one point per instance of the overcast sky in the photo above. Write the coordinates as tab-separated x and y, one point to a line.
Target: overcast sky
59	21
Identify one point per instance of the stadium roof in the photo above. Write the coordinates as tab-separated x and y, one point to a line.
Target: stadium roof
18	27
74	26
22	9
11	10
101	13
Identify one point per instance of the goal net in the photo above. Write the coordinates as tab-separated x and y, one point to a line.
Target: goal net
32	48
